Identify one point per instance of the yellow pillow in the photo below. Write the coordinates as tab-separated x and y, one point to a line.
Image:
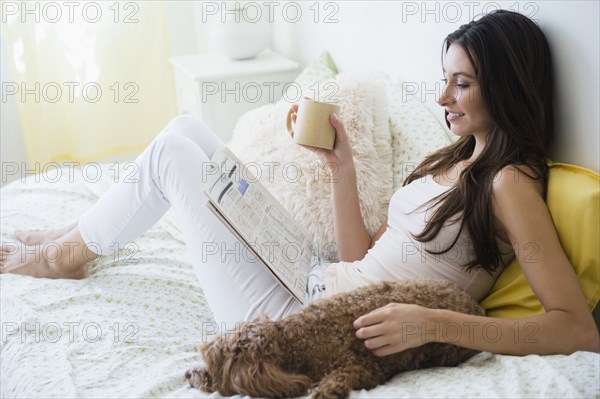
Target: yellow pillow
574	202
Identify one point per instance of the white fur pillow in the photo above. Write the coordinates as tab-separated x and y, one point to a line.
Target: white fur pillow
294	175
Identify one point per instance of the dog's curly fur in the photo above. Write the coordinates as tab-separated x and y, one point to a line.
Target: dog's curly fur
317	346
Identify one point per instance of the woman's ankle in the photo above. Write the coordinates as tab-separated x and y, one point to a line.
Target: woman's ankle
69	253
61	259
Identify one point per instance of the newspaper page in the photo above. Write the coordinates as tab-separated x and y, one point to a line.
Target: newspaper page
258	220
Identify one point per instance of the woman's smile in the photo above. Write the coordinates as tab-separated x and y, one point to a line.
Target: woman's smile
454	116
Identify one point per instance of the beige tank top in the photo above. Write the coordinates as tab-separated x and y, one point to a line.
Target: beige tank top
397	255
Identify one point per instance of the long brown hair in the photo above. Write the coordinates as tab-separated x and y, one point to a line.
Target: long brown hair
512	62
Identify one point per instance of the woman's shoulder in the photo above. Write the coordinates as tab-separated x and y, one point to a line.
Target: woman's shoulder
513	180
515	194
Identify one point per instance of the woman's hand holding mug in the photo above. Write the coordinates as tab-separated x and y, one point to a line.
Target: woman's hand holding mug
341	153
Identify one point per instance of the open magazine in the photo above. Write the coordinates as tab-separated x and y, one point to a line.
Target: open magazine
258	220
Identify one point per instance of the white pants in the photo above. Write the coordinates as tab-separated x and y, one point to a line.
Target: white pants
170	174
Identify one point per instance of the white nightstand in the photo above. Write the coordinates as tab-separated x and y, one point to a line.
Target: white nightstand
219	90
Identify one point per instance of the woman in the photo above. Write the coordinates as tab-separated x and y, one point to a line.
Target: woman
454	217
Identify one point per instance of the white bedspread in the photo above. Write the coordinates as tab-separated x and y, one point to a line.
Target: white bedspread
130	329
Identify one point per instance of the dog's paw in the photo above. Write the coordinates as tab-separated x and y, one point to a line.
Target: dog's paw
331	391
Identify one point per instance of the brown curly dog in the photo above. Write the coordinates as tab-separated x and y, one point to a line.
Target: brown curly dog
317	346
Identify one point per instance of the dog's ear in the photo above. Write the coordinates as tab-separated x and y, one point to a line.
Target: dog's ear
213	354
268	380
261	340
252	337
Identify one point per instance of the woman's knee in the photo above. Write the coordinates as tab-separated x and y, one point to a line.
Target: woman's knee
169	146
186	123
195	130
174	157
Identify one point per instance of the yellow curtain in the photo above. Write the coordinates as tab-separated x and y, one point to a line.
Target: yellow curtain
91	79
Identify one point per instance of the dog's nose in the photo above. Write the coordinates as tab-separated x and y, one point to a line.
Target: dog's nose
188	374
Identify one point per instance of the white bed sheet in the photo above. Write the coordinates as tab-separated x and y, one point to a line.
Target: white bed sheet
130	329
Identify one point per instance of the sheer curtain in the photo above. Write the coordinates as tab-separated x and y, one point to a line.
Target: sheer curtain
91	79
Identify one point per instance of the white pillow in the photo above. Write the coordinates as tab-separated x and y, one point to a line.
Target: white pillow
295	177
415	132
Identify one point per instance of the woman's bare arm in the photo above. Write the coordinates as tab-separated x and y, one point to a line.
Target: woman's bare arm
351	235
350	232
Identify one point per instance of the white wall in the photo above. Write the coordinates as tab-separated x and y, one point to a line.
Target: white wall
404	39
184	33
573	31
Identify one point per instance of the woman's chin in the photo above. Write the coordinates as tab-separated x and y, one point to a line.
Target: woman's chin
455	130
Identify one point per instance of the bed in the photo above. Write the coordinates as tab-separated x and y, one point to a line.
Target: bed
132	327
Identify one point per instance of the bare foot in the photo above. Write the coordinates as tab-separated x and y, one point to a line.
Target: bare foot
37	261
32	237
64	257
